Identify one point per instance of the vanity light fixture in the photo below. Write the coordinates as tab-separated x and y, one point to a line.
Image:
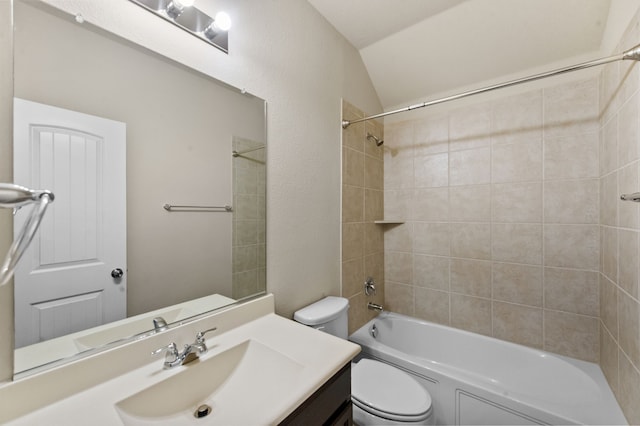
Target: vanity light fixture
185	15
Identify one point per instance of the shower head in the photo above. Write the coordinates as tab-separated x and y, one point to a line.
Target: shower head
375	139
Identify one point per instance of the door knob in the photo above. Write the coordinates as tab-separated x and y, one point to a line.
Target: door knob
117	273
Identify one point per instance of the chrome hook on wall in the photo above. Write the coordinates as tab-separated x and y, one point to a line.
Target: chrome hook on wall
635	197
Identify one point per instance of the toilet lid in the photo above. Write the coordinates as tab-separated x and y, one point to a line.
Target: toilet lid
388	390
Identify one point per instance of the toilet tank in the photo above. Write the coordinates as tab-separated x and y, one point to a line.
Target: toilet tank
328	315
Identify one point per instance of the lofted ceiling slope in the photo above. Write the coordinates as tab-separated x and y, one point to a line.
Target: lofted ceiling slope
418	48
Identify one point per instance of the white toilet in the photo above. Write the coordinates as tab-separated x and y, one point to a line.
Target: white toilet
381	394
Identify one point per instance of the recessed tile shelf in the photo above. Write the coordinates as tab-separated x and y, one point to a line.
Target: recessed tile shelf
388	222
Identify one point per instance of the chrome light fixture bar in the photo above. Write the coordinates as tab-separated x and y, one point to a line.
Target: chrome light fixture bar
184	15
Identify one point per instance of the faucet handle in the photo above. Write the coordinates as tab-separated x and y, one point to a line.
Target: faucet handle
200	335
171	348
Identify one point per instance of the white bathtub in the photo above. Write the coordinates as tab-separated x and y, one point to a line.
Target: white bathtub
474	379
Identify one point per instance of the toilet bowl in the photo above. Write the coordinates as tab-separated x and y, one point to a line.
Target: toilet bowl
381	394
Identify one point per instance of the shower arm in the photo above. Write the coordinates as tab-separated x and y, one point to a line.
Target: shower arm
631	54
16	196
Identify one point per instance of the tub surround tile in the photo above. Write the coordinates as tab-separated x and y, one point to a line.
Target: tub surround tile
571	290
471	240
629	333
431	171
517	243
628	252
572	157
571	109
353	204
628	393
518	324
571	201
609	358
399	237
609	306
352	277
516	202
572	246
431	205
469	128
521	284
609	245
609	147
517	162
431	135
628	131
398	267
432	305
470	203
470	167
471	277
431	272
399	298
572	335
471	313
628	183
517	119
431	238
609	199
373	204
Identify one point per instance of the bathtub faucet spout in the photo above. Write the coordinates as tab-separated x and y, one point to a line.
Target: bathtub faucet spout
374	307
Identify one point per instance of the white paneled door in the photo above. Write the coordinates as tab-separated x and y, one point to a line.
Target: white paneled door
73	275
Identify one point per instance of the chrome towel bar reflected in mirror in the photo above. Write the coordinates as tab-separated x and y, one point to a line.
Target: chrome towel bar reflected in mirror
172	208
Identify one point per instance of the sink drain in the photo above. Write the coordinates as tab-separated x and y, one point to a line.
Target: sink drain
202	411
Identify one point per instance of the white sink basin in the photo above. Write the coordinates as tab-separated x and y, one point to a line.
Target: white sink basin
238	384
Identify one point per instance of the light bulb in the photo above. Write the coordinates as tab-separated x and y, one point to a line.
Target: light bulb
222	21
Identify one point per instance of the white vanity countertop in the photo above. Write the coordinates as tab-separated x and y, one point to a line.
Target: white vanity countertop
319	354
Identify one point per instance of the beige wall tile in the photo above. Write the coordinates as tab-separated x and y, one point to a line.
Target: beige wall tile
352	240
517	162
352	167
374	267
432	305
572	290
471	313
517	202
572	246
373	205
471	240
517	242
471	277
609	246
609	200
352	203
629	317
469	128
398	267
399	139
609	82
431	204
516	283
572	157
470	167
431	272
518	324
628	261
628	183
470	203
431	171
352	277
373	238
572	335
609	147
571	201
431	238
628	132
431	135
398	172
373	173
397	204
629	390
571	109
399	298
358	313
609	305
518	118
609	358
398	237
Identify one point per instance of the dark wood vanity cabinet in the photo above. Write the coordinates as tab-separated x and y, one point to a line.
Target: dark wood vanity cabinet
329	405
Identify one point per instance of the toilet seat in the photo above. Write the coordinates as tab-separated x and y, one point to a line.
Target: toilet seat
388	392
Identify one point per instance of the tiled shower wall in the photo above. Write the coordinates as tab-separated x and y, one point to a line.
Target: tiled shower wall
502	229
362	204
619	225
249	222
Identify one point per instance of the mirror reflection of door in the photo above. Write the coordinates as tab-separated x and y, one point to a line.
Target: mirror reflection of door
82	159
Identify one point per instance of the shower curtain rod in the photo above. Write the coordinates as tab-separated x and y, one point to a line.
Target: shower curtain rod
631	54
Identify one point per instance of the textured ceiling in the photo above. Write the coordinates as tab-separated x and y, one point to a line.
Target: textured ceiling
416	48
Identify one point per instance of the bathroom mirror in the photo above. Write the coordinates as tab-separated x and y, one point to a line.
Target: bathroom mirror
194	145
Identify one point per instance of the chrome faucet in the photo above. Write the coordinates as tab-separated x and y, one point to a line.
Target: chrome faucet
173	357
374	307
159	324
